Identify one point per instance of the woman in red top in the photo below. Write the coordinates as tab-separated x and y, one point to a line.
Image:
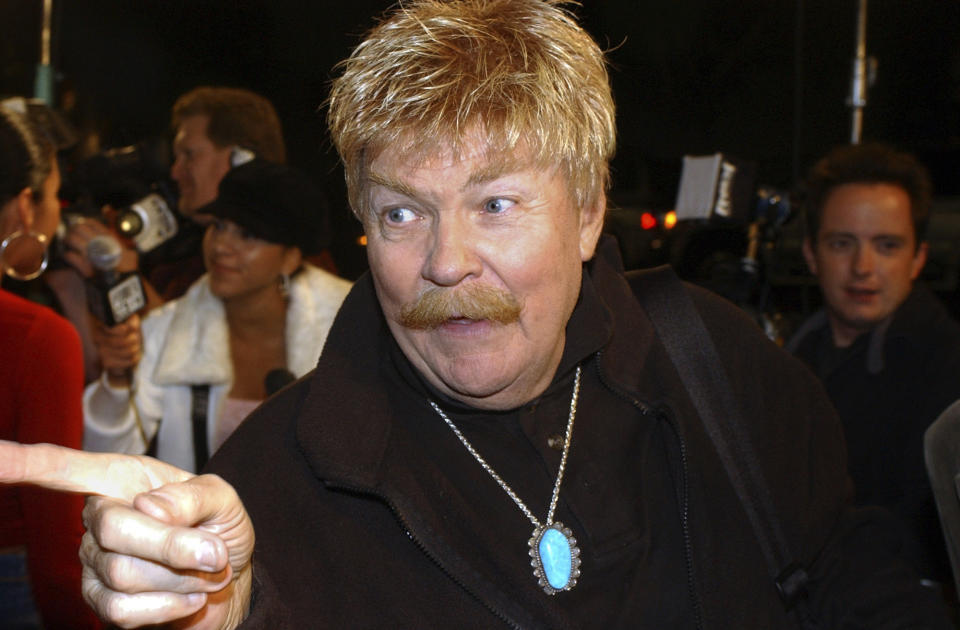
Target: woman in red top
41	382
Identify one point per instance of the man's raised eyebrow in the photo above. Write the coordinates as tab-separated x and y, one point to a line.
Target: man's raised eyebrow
392	184
489	173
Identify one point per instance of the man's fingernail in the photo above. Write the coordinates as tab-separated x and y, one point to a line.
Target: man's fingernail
156	504
207	556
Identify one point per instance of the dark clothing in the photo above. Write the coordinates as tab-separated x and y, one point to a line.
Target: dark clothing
888	387
370	513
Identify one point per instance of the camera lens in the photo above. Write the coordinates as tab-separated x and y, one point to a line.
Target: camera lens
129	223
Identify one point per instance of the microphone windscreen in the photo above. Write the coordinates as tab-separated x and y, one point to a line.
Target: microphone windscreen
104	252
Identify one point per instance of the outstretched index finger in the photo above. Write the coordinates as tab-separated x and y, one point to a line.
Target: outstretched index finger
69	470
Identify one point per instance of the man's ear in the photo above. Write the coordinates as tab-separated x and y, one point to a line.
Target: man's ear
591	225
919	260
808	256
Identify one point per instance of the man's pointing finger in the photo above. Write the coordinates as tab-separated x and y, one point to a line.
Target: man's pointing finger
68	470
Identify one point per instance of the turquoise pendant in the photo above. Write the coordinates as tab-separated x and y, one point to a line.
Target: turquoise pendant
555	557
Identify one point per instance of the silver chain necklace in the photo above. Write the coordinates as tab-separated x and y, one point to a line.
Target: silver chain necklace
554	554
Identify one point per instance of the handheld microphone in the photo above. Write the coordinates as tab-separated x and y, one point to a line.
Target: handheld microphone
277	379
112	296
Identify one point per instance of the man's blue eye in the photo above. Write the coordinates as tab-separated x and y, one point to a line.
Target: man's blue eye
399	215
495	206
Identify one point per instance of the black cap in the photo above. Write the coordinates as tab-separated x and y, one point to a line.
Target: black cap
273	202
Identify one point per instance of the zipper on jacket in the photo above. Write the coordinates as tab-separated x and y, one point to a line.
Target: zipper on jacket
420	545
646	409
684	520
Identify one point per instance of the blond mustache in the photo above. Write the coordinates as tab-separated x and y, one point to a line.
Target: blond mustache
437	306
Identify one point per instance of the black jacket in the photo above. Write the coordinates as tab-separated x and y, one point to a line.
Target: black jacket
359	526
888	388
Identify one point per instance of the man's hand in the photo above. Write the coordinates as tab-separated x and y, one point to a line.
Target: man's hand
161	546
120	348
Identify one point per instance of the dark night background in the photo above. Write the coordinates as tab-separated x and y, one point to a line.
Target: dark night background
763	80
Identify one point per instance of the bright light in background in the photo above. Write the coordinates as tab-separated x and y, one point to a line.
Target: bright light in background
670	219
649	220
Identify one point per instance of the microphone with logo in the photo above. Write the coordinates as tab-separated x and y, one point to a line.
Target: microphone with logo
112	296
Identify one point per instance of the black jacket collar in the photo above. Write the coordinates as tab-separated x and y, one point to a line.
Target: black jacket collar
918	313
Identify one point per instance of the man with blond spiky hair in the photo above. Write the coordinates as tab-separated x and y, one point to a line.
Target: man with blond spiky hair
496	434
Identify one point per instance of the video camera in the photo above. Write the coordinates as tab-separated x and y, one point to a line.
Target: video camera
134	181
729	226
725	212
720	233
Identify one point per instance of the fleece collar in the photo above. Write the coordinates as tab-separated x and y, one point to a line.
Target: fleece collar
196	347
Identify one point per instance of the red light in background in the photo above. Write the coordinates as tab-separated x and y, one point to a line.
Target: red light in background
648	221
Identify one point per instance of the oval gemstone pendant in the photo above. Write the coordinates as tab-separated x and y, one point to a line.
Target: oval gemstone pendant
555	558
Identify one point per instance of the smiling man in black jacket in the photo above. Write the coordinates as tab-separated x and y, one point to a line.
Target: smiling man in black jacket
496	434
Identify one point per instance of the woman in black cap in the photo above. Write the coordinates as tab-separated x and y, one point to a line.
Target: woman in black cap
183	382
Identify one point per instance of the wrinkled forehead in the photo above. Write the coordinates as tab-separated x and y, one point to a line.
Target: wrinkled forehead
483	162
489	158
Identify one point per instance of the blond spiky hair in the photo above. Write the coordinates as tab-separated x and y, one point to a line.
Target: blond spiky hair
521	73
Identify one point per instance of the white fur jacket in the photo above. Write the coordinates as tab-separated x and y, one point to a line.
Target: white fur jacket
186	342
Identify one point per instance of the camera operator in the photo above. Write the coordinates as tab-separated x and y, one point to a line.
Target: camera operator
215	128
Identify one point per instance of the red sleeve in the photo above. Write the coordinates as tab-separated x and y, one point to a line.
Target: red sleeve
49	390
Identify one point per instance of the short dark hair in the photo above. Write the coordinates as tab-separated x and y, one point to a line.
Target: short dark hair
237	117
872	163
